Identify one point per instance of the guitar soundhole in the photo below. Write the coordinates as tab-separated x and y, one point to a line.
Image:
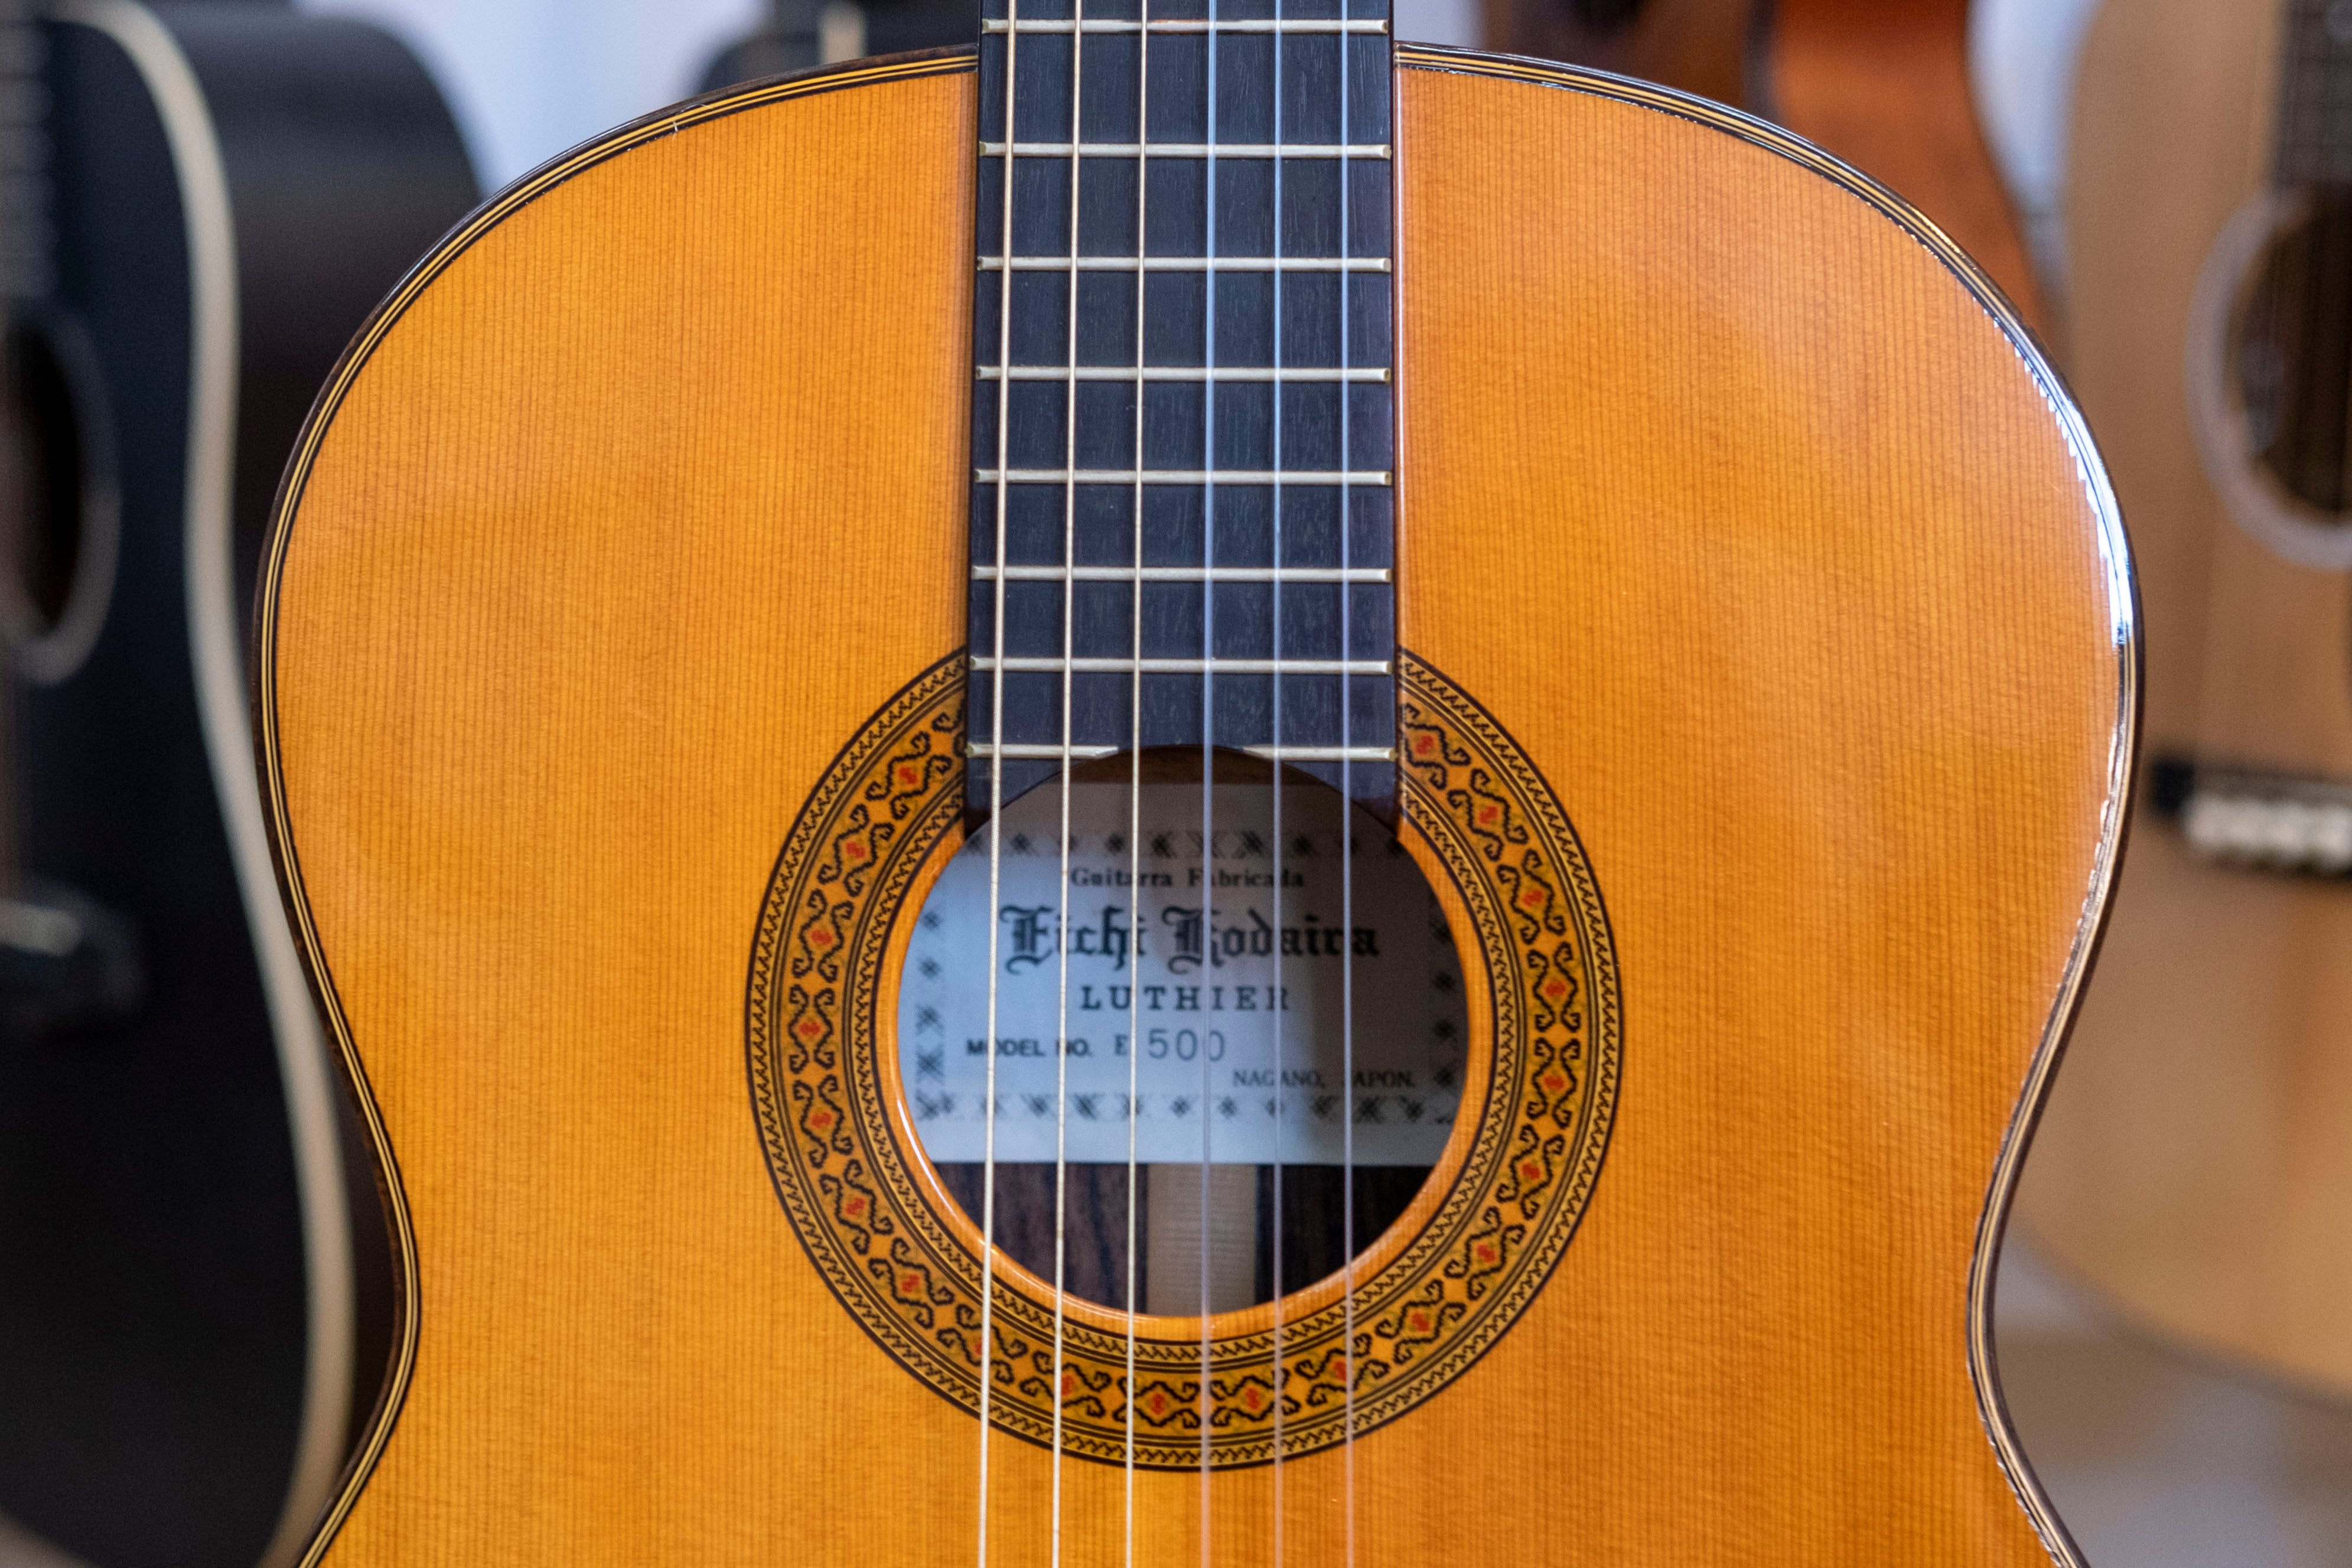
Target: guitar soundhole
1277	1130
2293	355
40	479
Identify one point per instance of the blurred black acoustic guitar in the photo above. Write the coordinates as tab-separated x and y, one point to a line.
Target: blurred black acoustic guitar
230	188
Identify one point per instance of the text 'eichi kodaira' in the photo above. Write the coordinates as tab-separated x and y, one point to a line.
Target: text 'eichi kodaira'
1195	937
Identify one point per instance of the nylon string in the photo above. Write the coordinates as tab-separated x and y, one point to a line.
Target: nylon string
996	777
1069	619
1135	758
1347	837
1208	716
1275	1248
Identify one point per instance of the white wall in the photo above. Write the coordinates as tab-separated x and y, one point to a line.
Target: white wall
528	78
2022	56
531	78
1437	21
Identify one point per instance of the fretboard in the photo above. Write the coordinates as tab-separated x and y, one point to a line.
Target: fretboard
1183	426
2312	144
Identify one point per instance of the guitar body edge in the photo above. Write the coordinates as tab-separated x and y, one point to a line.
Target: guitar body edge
640	501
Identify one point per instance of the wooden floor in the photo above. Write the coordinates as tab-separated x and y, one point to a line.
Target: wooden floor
2157	1460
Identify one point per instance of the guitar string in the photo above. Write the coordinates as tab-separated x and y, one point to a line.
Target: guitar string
1135	758
1067	767
1278	393
997	780
1347	839
1208	718
1069	652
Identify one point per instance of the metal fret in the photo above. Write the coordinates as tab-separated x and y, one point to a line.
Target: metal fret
1014	750
1186	263
1323	753
987	662
1187	150
1182	476
1182	574
1325	374
1188	24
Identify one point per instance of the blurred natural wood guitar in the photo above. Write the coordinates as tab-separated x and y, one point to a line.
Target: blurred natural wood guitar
2197	1164
1884	84
1348	824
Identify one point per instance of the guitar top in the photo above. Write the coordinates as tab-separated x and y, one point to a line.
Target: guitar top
1205	792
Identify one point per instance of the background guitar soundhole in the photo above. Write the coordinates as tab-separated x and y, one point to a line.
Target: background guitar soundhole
43	465
2295	354
1250	1108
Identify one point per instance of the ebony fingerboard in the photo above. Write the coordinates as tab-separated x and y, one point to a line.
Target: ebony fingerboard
1182	415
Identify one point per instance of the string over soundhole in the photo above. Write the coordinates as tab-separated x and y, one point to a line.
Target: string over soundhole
1209	958
1429	1293
2294	353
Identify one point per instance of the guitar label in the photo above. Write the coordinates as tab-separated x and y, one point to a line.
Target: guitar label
1256	1006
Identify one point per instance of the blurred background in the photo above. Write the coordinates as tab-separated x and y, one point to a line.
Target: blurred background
201	203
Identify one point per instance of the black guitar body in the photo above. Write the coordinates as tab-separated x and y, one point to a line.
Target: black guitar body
175	1293
789	39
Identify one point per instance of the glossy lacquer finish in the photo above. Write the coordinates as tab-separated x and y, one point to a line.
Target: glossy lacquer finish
1742	513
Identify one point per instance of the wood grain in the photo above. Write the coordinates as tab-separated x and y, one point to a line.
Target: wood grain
2194	1162
654	493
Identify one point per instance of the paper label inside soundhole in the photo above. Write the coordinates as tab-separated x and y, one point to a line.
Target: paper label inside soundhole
1239	1026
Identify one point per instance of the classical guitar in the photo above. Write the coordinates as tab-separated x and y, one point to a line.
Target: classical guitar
2197	1166
182	1347
1202	791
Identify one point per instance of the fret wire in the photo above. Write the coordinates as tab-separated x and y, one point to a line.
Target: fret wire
1187	263
1323	753
1373	150
1183	373
1028	397
1023	664
1191	25
1180	476
1371	574
1037	751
